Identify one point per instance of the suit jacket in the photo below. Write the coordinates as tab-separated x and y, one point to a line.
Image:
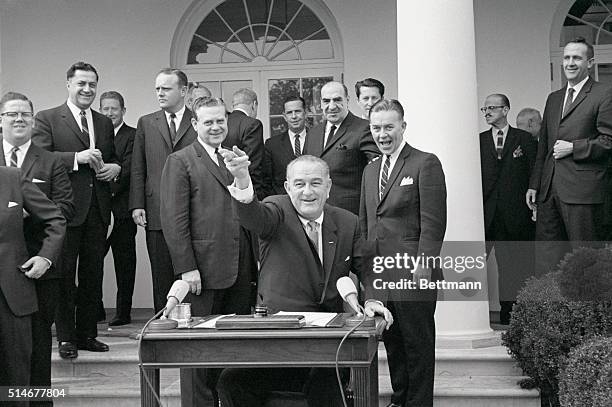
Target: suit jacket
48	173
291	275
152	145
199	217
277	154
580	177
56	130
412	216
505	182
347	154
20	193
246	133
120	188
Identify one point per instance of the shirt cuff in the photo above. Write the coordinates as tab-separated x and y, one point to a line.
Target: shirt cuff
48	261
244	196
75	167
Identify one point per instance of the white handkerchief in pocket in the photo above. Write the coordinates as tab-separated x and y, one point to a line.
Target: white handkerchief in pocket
38	181
406	181
11	204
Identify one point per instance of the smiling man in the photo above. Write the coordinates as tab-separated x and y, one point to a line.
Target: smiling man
83	139
344	142
568	184
403	210
209	248
158	134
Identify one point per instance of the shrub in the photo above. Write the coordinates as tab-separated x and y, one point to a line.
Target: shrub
585	366
602	391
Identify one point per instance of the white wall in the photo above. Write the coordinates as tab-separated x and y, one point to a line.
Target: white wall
128	41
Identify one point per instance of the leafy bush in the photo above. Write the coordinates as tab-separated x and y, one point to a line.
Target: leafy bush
602	391
547	322
580	375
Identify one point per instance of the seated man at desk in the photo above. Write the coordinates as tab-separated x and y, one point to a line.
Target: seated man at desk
305	247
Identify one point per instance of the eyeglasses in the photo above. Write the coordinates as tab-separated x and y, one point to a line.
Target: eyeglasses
15	115
490	108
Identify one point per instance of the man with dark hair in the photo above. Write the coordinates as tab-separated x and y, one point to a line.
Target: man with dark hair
195	91
47	172
530	120
158	134
507	156
18	269
245	131
282	148
369	91
344	142
571	170
209	248
83	139
403	210
123	236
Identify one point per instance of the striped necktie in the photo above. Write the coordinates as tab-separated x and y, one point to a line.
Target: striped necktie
499	145
85	126
384	178
313	234
298	146
568	102
14	156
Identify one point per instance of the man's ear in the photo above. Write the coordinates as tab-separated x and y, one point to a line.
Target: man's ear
286	186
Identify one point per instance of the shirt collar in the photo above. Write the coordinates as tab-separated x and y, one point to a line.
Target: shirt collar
302	133
76	111
319	220
329	124
23	149
241	110
503	129
179	115
116	129
578	86
210	150
396	153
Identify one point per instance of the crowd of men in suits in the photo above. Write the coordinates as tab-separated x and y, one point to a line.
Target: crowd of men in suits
275	223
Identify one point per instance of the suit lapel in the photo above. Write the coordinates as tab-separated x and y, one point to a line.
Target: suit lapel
490	144
511	141
162	126
2	159
340	131
29	160
397	168
285	146
329	242
184	126
214	169
72	124
120	141
581	96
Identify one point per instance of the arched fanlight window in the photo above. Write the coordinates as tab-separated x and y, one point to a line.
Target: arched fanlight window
239	31
591	19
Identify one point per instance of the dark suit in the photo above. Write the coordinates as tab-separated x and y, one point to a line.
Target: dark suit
122	238
56	130
152	145
48	173
278	152
507	217
17	292
409	218
246	133
347	154
571	190
201	228
293	279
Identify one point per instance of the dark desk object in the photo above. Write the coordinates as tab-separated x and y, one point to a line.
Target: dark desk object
306	347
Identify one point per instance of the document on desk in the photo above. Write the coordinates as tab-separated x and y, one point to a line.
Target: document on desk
210	323
320	319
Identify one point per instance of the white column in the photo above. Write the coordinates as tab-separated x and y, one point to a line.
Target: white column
437	87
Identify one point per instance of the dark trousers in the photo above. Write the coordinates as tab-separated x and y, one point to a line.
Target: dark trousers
15	347
162	273
122	241
85	243
40	372
562	227
410	345
252	387
199	386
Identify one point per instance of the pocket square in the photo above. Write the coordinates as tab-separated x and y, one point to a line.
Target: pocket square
38	181
11	204
347	258
406	181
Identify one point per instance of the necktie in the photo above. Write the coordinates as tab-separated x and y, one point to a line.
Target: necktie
172	127
568	102
298	147
313	235
384	178
499	144
14	156
330	134
84	126
224	171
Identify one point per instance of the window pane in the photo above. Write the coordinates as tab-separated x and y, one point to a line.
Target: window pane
277	126
279	90
604	73
586	19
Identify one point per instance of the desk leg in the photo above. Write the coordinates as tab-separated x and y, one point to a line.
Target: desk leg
366	384
147	395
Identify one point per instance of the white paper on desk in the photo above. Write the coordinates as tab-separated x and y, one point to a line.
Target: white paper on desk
313	318
211	322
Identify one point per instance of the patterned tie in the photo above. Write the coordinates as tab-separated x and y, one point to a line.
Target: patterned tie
330	134
85	126
172	127
568	102
14	156
313	235
499	145
298	146
384	178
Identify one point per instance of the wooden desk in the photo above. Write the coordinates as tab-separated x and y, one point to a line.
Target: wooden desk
305	347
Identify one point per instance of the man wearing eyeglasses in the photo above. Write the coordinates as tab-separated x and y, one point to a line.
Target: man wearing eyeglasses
571	170
507	156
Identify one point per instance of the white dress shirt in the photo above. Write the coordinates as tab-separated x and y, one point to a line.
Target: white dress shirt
494	132
302	139
23	150
392	161
577	88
